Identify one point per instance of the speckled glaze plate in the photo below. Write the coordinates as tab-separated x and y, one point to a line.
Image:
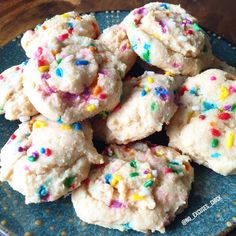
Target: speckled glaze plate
212	203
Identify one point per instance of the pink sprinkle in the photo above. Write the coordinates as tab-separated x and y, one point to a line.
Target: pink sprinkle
104	72
167	170
176	65
124	47
103	96
17	68
115	204
212	77
1	77
39	52
140	10
26	168
62	37
232	89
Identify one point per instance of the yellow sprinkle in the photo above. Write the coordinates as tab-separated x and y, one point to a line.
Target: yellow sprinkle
44	68
114	182
190	115
39	124
91	107
117	177
230	140
159	153
212	123
65	127
150	80
65	15
229	224
149	176
234	218
169	73
156	36
147	89
136	197
224	93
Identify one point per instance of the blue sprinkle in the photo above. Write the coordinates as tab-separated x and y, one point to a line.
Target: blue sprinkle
161	90
42	150
25	62
215	155
143	93
59	120
208	106
108	178
76	126
126	226
146	46
82	62
193	91
134	46
70	25
59	72
174	163
165	6
42	192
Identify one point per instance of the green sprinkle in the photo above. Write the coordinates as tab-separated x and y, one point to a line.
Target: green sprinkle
214	142
233	108
134	174
31	158
69	181
196	27
133	164
59	61
177	171
146	56
154	106
174	163
148	183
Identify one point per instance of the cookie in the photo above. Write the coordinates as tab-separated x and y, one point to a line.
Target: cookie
147	103
55	32
13	102
174	42
115	38
139	187
204	125
78	82
218	64
45	160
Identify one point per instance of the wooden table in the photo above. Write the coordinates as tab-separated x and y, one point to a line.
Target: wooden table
16	16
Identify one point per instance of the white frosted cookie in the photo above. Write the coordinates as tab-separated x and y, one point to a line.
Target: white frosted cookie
45	160
166	36
147	103
13	102
115	38
55	32
78	82
139	187
204	125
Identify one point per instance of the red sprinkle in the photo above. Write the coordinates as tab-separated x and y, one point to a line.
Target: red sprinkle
103	96
62	37
17	68
224	116
168	170
70	30
13	136
202	117
85	182
48	152
215	132
117	108
1	77
189	31
183	90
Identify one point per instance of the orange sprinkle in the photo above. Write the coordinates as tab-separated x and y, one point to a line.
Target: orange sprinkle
78	18
212	123
97	90
93	49
44	27
187	166
106	60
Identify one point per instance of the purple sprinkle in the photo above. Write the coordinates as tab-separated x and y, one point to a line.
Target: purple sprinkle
115	204
20	149
227	107
48	90
35	154
146	172
163	26
45	76
140	10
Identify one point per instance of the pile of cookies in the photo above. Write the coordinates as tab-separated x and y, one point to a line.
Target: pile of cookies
76	86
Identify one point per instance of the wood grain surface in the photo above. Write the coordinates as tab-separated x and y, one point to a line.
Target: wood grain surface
16	16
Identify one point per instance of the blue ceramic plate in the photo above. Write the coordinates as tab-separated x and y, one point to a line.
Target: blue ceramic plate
212	203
